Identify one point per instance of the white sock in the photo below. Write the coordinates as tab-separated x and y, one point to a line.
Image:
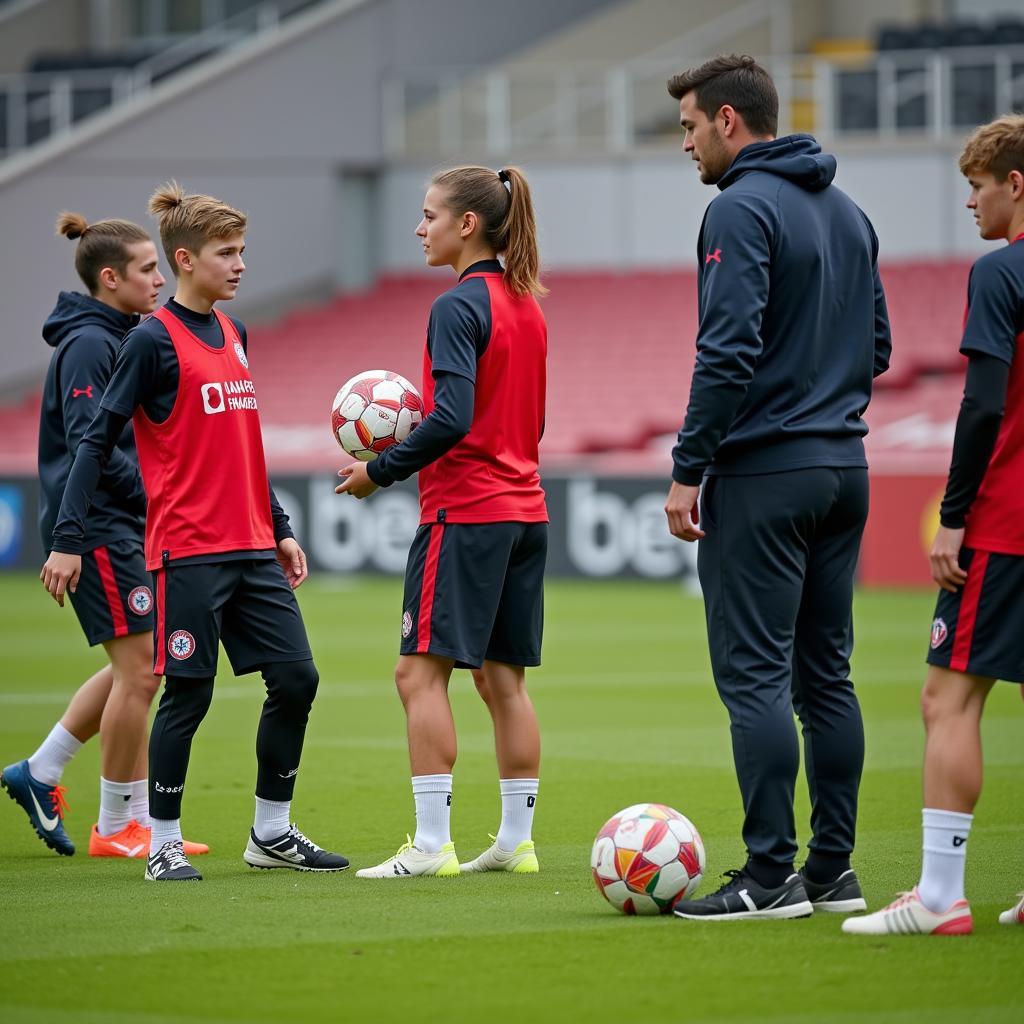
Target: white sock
115	806
945	856
140	802
165	830
433	796
518	799
272	819
47	763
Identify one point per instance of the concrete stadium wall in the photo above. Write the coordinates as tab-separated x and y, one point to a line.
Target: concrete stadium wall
646	211
268	129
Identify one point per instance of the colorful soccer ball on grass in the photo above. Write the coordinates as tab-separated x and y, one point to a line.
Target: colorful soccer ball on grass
373	411
647	858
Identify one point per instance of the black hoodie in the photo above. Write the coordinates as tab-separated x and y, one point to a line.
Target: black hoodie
793	323
85	335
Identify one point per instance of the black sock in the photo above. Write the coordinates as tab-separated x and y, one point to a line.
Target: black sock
822	868
768	873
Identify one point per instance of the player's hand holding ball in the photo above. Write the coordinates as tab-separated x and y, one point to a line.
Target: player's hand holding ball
356	481
372	411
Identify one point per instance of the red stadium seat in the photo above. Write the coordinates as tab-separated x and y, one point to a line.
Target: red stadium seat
621	351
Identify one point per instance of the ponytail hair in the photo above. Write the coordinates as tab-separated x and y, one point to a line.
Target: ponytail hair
103	244
503	203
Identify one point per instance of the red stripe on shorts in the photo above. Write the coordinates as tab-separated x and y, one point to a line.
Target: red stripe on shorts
428	587
117	616
968	612
159	640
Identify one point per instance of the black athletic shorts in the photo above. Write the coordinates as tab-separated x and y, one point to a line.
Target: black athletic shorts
246	604
475	592
980	629
115	592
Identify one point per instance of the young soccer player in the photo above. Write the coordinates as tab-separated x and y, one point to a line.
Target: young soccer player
117	262
224	557
474	582
977	557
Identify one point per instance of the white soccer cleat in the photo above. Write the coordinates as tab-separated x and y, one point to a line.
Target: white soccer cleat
520	861
907	915
411	861
1015	915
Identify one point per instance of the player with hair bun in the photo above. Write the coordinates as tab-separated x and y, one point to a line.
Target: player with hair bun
117	262
224	557
474	594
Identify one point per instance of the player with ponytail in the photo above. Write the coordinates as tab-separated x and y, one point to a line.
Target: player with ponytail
117	262
474	583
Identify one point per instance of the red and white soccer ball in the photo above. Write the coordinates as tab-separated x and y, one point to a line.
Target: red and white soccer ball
647	858
373	411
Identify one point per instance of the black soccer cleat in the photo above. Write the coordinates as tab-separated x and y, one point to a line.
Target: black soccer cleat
291	850
843	896
743	898
169	864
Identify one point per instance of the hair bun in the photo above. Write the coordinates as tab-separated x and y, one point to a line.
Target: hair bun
72	225
166	198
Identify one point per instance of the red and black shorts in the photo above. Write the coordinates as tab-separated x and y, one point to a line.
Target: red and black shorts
979	630
115	592
475	592
246	604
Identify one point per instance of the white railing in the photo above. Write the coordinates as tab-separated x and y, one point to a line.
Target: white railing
584	107
38	105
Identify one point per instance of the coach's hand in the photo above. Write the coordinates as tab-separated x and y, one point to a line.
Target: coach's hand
945	559
357	481
60	574
293	560
681	509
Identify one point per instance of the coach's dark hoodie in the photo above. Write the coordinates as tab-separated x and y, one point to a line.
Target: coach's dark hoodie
85	335
793	324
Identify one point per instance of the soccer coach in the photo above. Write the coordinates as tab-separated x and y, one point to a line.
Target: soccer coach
793	329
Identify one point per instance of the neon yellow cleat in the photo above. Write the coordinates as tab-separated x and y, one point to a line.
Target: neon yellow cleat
411	861
521	861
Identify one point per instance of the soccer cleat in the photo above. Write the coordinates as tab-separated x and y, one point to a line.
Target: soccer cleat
743	898
1015	915
133	841
907	915
45	806
843	896
521	861
169	864
411	861
291	850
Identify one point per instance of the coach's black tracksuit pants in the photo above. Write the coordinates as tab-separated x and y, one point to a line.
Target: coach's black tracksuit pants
777	570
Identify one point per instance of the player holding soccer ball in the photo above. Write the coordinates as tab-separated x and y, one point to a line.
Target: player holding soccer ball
977	556
474	581
224	556
117	262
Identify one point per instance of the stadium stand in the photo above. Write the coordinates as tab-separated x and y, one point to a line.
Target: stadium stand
620	358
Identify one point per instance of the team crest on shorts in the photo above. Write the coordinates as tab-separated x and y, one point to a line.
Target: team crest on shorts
181	645
406	625
240	352
140	600
939	633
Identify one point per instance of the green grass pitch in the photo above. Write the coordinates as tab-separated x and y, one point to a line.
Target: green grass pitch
628	713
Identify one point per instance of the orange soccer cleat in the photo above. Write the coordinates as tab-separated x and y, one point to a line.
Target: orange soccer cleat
131	841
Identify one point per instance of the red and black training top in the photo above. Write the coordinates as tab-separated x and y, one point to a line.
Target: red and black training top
484	381
994	332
